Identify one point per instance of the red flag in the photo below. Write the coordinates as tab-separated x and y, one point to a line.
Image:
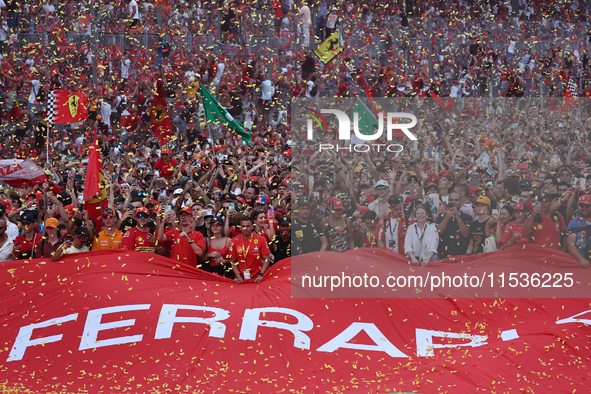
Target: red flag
59	34
445	104
160	121
95	193
14	113
66	107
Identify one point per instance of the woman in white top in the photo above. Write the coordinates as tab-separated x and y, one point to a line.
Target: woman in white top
422	238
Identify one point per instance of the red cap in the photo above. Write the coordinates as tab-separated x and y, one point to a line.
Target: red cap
364	209
433	178
337	203
519	207
165	151
585	199
474	189
142	210
186	210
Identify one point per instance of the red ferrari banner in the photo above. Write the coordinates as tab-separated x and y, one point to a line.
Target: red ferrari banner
66	107
116	321
21	173
160	121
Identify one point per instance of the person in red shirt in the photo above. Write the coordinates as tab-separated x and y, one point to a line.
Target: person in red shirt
545	227
514	232
187	244
140	238
166	165
247	253
24	245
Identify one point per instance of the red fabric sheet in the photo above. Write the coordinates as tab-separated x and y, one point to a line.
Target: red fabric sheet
236	355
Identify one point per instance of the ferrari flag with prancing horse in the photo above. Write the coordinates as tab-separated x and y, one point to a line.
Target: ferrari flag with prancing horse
66	107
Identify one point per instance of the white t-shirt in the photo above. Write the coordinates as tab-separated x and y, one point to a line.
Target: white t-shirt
220	71
12	230
133	3
305	14
125	65
309	86
72	249
4	31
267	90
34	91
6	249
106	113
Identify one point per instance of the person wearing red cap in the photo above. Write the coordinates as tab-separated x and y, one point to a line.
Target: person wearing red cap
140	238
514	233
166	165
577	232
187	244
111	236
545	227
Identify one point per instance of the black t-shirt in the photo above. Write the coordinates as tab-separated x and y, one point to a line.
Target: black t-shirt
280	249
478	235
452	242
306	237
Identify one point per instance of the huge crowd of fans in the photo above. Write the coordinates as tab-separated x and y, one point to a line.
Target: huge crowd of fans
484	175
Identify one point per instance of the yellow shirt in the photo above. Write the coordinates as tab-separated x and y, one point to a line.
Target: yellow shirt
104	241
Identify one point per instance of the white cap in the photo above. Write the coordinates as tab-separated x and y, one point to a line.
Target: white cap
178	191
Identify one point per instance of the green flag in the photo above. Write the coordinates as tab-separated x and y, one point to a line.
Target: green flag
215	113
367	120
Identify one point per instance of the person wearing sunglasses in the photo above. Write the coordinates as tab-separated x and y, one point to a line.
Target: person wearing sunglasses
577	233
140	238
6	243
380	205
111	236
187	245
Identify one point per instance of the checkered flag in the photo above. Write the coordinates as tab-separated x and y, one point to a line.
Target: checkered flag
572	88
65	107
50	107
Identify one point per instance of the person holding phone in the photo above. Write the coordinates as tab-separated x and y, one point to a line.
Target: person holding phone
140	238
187	245
454	228
498	223
545	227
74	244
514	233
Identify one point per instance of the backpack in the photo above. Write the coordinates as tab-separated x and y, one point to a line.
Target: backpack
165	47
314	90
284	7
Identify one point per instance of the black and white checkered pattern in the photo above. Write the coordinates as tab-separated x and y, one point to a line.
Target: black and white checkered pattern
50	107
572	85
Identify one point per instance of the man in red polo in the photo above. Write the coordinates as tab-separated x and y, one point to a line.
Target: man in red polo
165	165
187	244
247	253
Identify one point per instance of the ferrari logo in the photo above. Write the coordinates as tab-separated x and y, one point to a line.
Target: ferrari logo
72	104
158	114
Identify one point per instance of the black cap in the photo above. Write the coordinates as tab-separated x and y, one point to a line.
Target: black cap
303	202
394	200
524	183
28	217
226	197
414	177
2	210
218	220
119	199
284	220
545	196
81	232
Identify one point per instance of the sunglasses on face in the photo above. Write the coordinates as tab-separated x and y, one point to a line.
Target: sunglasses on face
584	205
381	188
142	216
